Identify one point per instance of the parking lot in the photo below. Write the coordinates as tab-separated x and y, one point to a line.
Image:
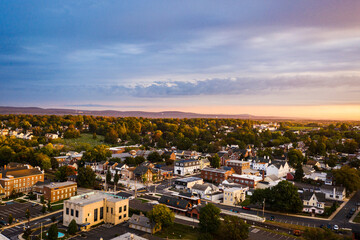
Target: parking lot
259	234
18	211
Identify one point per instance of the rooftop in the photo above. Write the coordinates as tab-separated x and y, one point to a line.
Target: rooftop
93	197
189	179
251	177
60	184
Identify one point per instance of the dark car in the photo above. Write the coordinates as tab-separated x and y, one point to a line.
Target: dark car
245	208
272	218
352	211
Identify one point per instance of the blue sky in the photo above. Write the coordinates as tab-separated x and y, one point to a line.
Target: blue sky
205	56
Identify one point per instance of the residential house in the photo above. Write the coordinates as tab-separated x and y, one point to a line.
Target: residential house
260	164
278	168
171	155
337	193
144	224
313	202
206	191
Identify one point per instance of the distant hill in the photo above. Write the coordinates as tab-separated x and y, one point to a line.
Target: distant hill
113	113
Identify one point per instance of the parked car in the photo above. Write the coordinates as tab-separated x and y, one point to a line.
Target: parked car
3	223
352	211
297	232
335	227
272	218
245	208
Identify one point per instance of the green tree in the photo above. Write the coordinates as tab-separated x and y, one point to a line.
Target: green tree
54	164
348	177
320	234
209	220
53	232
10	219
161	215
86	177
27	215
116	178
71	132
49	207
97	154
72	228
6	155
299	173
215	161
64	172
154	157
44	161
111	137
295	157
42	199
234	228
43	209
108	177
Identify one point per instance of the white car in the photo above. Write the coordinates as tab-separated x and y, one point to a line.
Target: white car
335	227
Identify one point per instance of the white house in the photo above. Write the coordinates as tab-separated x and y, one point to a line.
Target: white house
333	192
279	169
187	183
206	191
260	164
313	202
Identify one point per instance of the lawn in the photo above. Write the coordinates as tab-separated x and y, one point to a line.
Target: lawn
357	218
57	207
85	139
178	231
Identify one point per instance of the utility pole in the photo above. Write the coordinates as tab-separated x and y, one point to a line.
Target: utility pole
263	207
135	189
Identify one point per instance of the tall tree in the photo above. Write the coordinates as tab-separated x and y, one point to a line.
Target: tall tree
27	215
72	228
161	215
299	173
348	177
234	228
64	172
53	232
209	220
154	157
86	177
215	161
10	219
116	179
108	178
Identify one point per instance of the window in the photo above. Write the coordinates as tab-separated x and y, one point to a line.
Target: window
72	212
67	211
95	215
124	215
77	213
107	209
120	209
120	217
125	208
101	213
112	211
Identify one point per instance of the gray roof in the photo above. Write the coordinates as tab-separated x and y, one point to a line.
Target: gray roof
174	202
141	221
307	196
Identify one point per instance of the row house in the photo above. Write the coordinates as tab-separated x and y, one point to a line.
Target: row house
216	175
189	166
238	166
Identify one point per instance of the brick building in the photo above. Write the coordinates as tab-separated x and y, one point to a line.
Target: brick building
54	192
216	175
238	166
19	179
246	180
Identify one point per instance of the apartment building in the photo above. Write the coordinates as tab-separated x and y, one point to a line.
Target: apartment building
54	192
238	166
234	196
188	166
216	175
246	180
19	179
95	207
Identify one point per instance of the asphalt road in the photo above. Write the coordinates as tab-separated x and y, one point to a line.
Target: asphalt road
13	232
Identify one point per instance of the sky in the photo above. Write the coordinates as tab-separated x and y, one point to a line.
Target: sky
297	58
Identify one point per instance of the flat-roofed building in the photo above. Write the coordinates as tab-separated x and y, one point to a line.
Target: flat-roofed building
188	166
95	207
246	180
187	183
233	196
57	191
238	166
19	179
216	175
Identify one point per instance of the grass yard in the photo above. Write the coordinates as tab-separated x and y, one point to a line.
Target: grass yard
84	139
143	200
178	231
57	207
357	218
